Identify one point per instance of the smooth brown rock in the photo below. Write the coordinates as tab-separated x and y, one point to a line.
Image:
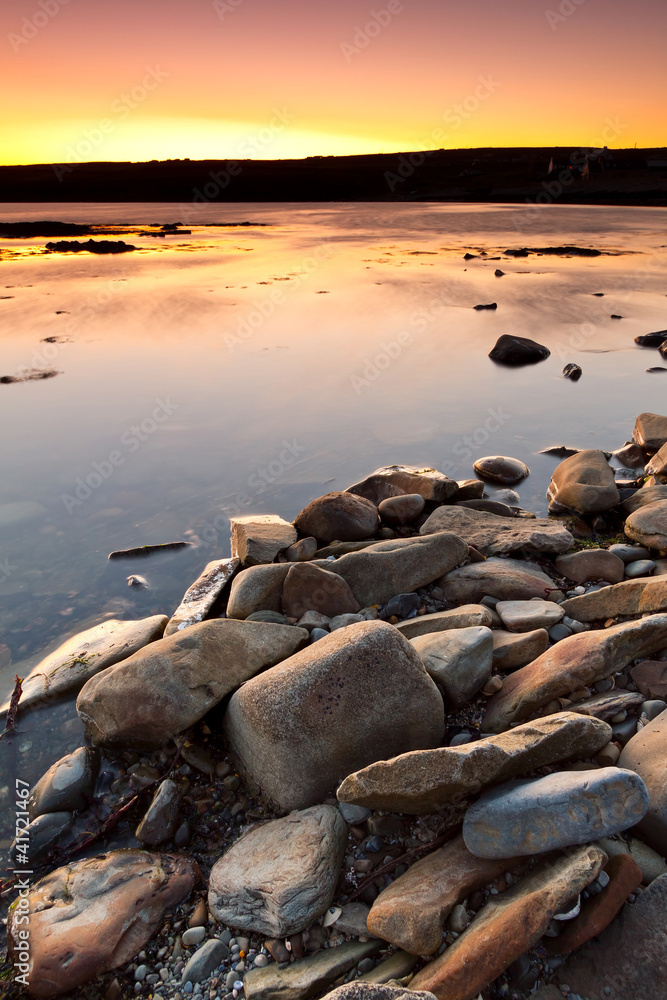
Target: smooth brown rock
398	480
412	911
258	538
648	526
573	663
500	469
516	649
658	464
646	755
628	960
606	706
355	696
643	497
95	915
401	510
527	616
466	616
302	551
258	588
202	595
650	676
583	483
509	925
650	431
161	691
69	666
311	588
506	579
591	564
492	534
398	566
424	781
598	911
278	878
631	597
340	516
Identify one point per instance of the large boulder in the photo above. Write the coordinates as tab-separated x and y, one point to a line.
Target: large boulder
281	876
202	595
648	525
646	754
341	516
643	497
258	588
356	696
527	817
573	663
311	588
650	431
509	925
398	565
493	535
258	538
68	667
459	660
425	781
506	579
163	690
583	483
631	597
397	480
94	915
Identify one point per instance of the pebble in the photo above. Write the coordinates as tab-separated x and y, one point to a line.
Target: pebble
640	567
559	631
650	710
317	634
140	973
193	936
354	815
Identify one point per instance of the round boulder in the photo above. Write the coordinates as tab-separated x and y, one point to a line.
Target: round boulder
500	469
339	516
648	526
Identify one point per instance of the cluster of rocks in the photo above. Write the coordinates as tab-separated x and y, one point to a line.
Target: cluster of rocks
420	733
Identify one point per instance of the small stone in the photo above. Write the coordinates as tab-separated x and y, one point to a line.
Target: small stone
458	919
640	567
302	551
500	469
609	755
318	633
354	815
140	973
492	686
559	632
195	935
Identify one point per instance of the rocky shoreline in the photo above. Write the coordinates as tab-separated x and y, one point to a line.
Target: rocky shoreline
413	743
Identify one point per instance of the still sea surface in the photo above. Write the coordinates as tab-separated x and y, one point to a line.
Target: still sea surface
247	369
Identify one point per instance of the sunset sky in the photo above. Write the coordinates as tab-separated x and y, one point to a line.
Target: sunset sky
141	79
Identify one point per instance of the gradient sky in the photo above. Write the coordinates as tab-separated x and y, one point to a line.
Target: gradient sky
282	78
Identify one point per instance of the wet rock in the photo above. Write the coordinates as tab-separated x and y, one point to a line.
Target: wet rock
500	469
411	913
526	616
516	649
510	350
258	588
399	565
398	480
310	588
161	817
591	564
650	431
68	785
514	921
424	781
95	915
258	538
631	951
652	339
650	676
69	666
583	483
308	976
39	836
573	663
299	727
572	372
646	755
302	551
467	616
651	863
281	876
341	516
506	579
402	510
598	911
494	535
648	526
163	690
529	817
202	595
205	961
631	597
459	660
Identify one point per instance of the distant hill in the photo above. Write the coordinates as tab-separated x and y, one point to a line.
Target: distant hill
619	177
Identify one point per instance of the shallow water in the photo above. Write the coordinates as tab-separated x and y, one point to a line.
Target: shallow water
253	369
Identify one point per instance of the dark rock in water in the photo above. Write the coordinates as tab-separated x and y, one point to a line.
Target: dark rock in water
652	339
139	582
30	375
147	550
615	316
517	253
663	349
498	273
40	835
27	230
511	350
491	305
598	295
657	369
401	606
565	251
560	451
573	372
90	246
470	256
68	784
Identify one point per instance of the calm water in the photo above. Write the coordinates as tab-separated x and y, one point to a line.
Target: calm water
253	369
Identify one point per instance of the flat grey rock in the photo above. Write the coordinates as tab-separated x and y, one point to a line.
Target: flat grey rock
492	534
